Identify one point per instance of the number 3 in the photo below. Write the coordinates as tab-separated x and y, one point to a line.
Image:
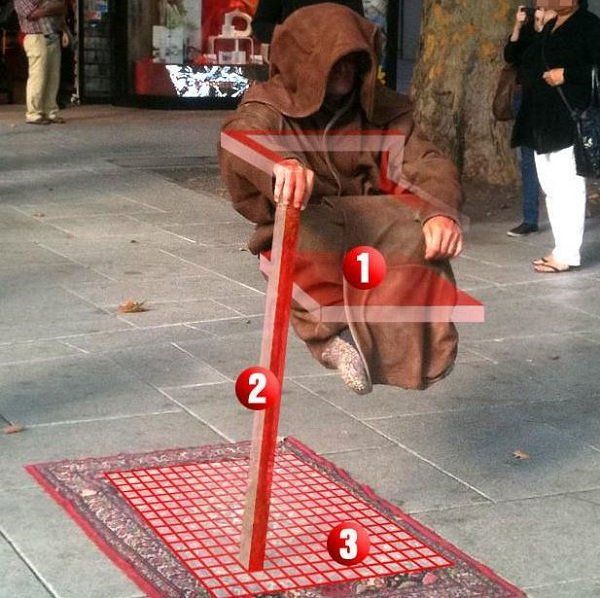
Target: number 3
259	381
350	536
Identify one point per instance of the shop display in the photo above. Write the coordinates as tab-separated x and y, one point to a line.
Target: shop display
194	49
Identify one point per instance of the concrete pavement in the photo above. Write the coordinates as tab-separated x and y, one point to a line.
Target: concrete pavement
89	218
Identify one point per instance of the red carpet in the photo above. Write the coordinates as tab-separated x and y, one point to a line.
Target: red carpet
171	520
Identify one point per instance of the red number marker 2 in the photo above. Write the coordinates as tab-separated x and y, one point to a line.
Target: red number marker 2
256	388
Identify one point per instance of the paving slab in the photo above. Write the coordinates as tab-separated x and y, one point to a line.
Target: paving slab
25	315
579	292
75	388
17	578
175	290
99	438
104	203
405	480
234	233
232	354
58	548
560	363
158	313
229	261
134	338
300	412
16	227
478	447
509	314
533	542
125	260
167	366
470	385
567	589
34	351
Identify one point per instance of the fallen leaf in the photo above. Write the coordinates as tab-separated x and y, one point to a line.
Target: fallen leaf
86	493
132	307
555	357
133	241
39	215
429	579
521	455
13	429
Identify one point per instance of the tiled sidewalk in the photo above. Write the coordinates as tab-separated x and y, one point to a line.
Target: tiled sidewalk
86	223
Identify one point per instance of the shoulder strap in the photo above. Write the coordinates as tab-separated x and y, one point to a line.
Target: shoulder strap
574	115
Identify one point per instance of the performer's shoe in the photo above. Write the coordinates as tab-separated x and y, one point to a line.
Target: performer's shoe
341	355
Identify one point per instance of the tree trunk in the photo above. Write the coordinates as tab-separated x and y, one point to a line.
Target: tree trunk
454	83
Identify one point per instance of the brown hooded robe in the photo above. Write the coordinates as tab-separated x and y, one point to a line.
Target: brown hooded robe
350	204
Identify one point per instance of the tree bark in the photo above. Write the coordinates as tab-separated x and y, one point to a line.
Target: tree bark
455	80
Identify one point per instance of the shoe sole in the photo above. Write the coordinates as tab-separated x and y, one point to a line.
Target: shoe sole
511	234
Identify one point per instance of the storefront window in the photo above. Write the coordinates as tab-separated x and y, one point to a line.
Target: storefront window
193	48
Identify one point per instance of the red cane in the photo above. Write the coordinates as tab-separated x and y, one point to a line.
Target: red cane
272	356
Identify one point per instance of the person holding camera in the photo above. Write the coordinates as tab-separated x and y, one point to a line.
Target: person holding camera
524	29
561	55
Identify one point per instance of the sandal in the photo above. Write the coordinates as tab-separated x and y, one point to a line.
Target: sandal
541	261
548	268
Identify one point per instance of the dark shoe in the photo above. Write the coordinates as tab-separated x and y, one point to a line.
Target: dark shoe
523	229
39	121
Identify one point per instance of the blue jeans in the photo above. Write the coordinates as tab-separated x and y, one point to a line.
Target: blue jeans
531	186
529	177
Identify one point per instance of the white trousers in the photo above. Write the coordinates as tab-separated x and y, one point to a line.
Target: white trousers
43	56
565	201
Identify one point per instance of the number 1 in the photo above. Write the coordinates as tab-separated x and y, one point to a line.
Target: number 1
363	258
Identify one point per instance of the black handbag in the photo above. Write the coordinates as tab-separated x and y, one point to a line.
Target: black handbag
587	126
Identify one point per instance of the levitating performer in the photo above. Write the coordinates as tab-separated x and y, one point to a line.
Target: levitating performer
402	200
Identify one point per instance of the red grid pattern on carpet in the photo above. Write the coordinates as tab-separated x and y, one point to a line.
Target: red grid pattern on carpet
197	509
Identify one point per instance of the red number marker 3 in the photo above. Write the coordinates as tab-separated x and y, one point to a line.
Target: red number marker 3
257	388
348	543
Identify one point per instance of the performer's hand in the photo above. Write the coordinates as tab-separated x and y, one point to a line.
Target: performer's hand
554	77
443	238
293	183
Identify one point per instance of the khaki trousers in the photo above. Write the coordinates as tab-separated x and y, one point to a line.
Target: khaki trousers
43	54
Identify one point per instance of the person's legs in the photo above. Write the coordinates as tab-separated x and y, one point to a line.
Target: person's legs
531	187
565	202
35	48
52	78
530	194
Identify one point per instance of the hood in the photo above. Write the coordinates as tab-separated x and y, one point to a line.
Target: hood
305	48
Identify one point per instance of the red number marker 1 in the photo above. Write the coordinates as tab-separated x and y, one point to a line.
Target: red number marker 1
364	267
348	543
256	388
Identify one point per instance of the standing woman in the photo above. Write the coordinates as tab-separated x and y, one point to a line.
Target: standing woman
270	13
523	32
563	54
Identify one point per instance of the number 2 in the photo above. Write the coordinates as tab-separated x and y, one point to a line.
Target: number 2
350	536
259	381
363	258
